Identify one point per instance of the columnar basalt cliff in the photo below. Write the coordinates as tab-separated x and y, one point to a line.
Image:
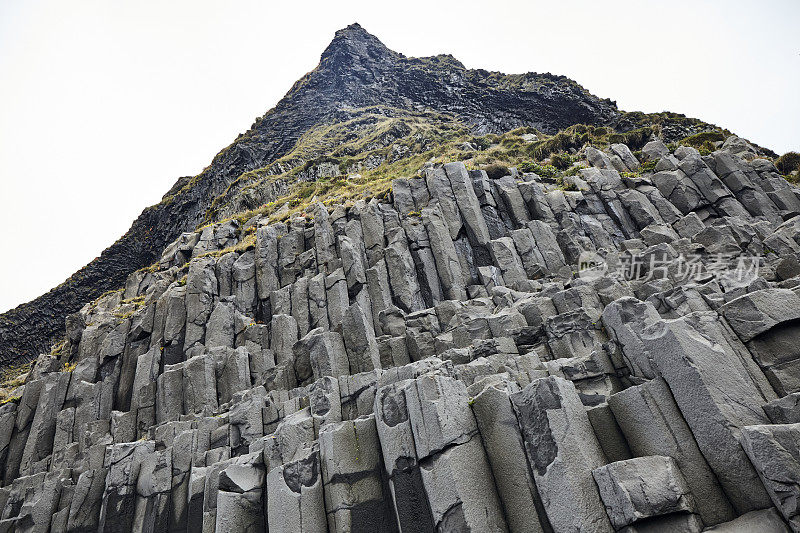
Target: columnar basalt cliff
607	347
355	71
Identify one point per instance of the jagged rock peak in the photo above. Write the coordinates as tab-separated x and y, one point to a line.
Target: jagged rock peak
354	45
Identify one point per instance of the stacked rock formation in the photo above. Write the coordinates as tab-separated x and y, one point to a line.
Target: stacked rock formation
356	71
441	361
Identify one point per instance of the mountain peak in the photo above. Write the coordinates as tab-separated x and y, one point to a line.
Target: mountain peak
355	44
356	71
355	32
354	28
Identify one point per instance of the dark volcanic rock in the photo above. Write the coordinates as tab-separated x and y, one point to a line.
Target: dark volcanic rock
356	70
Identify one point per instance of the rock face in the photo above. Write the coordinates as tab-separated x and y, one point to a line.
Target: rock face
373	369
355	72
638	489
467	354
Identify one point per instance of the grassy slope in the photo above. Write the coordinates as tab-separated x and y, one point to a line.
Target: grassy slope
401	143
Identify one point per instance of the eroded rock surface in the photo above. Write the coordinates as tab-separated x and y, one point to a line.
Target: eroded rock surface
440	360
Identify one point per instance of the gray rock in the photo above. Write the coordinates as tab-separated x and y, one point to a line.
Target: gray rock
624	319
784	410
505	257
764	521
325	352
401	196
774	450
787	267
439	413
199	384
491	277
441	190
710	186
402	275
246	422
36	498
654	150
43	427
754	313
657	234
85	506
547	245
281	301
533	193
684	151
317	302
325	402
717	398
653	425
353	264
562	452
459	485
255	339
444	252
598	159
220	327
624	153
284	334
123	462
232	372
572	334
679	190
642	488
356	496
8	415
400	459
357	394
174	313
512	199
211	487
290	439
689	225
324	240
169	394
359	340
532	260
143	401
380	294
290	247
300	311
224	272
295	501
468	204
240	500
372	231
608	433
338	301
737	145
425	264
153	488
641	208
672	523
201	288
184	447
462	288
504	449
196	490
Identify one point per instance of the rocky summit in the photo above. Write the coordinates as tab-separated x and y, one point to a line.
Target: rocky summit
415	297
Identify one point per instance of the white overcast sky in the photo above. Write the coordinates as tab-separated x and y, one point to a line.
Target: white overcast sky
104	104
